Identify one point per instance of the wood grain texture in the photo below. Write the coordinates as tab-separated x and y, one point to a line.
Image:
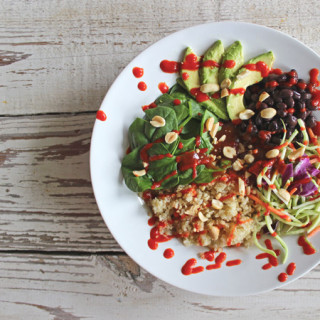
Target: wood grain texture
46	196
62	56
114	287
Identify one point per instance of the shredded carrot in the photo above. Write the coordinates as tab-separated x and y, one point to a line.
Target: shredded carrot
268	207
292	146
281	146
314	231
293	191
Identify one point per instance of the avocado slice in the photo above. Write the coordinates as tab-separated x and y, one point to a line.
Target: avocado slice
235	101
209	70
232	56
190	76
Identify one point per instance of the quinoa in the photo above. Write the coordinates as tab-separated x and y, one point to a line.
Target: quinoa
212	215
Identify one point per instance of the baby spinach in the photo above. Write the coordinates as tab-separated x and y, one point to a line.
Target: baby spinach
186	177
130	163
188	144
137	137
191	129
168	114
195	109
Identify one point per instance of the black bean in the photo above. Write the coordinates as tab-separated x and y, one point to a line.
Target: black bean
290	102
296	95
263	105
286	93
291	121
251	106
303	115
306	96
310	106
289	132
282	77
311	122
273	126
243	126
254	129
258	121
269	101
299	137
247	95
282	109
276	139
254	97
300	105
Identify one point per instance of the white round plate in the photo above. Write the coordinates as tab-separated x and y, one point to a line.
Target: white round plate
122	210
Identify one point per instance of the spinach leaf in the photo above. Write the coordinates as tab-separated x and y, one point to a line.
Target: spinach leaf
136	184
185	177
168	114
130	163
188	145
205	176
191	129
195	109
206	142
160	169
178	87
137	137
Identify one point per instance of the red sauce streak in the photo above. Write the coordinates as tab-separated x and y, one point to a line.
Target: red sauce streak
200	96
149	106
213	266
237	91
147	195
191	62
188	160
314	73
273	261
267	266
236	121
229	64
291	268
185	76
101	115
232	263
138	72
153	245
142	86
176	102
221	258
163	87
316	129
209	255
168	253
282	277
210	63
169	66
160	156
152	221
144	152
198	141
189	267
216	95
259	66
229	196
271	84
159	183
306	246
180	145
276	71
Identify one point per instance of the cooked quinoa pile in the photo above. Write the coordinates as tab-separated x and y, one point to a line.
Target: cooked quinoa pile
212	215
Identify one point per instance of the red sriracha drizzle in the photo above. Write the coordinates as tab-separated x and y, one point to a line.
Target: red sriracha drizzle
210	64
138	72
163	87
191	62
169	66
142	86
229	64
259	66
168	253
306	246
101	115
200	96
189	267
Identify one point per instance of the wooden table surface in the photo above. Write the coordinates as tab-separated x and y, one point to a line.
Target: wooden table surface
57	61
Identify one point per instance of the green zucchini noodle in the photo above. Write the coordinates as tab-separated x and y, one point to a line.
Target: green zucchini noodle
300	214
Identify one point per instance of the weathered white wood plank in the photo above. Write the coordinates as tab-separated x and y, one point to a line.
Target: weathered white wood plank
114	287
63	55
46	198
